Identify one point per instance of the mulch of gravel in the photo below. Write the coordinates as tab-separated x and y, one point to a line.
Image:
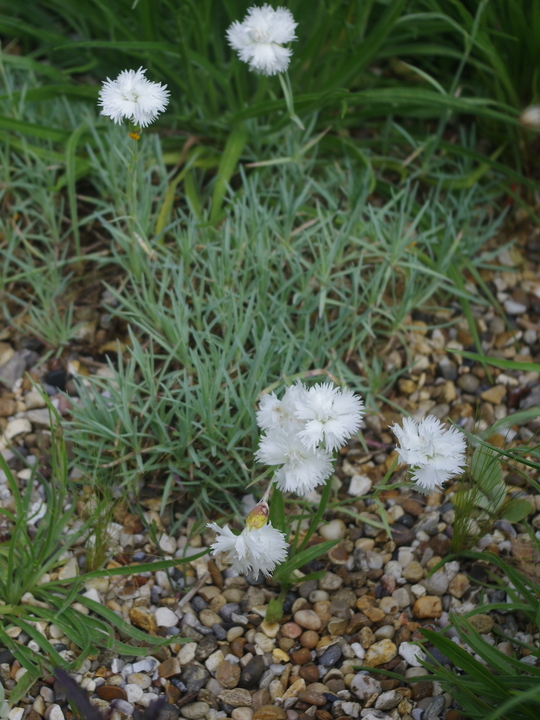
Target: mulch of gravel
375	595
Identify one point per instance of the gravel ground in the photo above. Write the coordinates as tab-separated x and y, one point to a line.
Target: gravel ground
375	595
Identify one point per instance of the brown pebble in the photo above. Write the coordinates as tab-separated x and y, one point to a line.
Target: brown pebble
389	684
173	694
301	657
228	674
335	685
259	698
309	639
312	698
270	712
237	646
310	673
169	668
357	622
429	606
8	407
111	692
291	630
215	574
421	690
324	715
412	507
440	544
143	619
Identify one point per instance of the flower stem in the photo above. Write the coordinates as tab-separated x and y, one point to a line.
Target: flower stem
289	100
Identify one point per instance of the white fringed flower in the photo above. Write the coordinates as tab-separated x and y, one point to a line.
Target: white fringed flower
134	97
330	415
302	468
274	413
259	38
252	551
434	453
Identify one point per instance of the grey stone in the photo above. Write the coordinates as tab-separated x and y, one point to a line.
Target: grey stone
330	657
252	672
194	677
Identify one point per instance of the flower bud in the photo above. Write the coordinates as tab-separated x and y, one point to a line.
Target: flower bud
530	117
258	517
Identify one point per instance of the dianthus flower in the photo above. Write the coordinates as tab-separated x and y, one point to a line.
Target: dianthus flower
433	452
274	413
253	551
134	97
330	416
302	468
259	38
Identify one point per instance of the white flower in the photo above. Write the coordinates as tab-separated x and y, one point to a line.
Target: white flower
434	453
134	97
258	39
329	414
253	550
302	468
281	414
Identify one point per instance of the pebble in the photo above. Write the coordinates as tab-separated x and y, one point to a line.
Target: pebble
412	654
236	698
133	692
380	652
242	713
194	677
195	710
291	630
228	674
165	617
270	712
187	653
360	485
307	619
429	606
330	657
482	623
388	700
334	530
364	686
140	679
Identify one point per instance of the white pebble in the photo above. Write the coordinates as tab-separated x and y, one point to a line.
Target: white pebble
418	590
165	617
16	714
167	544
133	692
358	650
55	713
412	653
334	530
359	485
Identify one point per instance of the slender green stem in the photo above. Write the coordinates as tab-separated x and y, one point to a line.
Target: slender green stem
289	100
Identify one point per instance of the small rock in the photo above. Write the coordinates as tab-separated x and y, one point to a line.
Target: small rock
412	654
330	657
17	427
228	674
236	698
435	708
111	692
437	584
307	619
429	606
134	692
195	710
169	668
329	582
413	571
311	697
252	672
388	700
270	712
381	652
482	623
194	677
187	653
360	485
364	686
494	395
142	618
334	530
165	617
458	586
